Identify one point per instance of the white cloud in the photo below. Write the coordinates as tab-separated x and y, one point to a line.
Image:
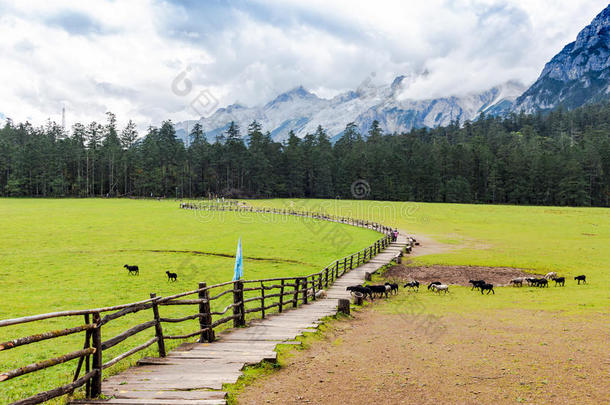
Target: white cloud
124	56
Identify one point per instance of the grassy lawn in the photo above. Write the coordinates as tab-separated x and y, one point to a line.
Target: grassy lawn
68	254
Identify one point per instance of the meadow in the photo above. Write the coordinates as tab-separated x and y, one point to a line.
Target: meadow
69	254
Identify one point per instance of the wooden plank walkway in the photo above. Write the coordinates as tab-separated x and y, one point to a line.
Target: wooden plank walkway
193	373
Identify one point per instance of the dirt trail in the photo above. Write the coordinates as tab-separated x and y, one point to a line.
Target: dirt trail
517	356
427	245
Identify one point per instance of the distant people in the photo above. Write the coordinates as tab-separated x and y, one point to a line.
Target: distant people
394	235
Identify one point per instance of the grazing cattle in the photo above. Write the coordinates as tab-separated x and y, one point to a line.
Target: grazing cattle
135	270
550	275
434	283
440	287
488	287
559	280
517	281
542	282
393	287
476	284
171	276
362	290
412	284
580	278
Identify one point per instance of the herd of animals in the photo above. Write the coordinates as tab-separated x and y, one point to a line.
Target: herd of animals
373	291
380	290
135	271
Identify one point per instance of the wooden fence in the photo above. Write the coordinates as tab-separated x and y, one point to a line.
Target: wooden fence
250	298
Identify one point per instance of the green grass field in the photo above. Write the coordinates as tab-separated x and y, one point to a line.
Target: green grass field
68	254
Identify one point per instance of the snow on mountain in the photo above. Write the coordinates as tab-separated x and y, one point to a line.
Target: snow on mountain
577	75
302	111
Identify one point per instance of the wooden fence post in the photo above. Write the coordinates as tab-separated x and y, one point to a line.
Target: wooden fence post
313	287
281	297
337	269
326	277
238	300
96	338
345	265
262	300
87	358
306	283
295	298
343	306
205	316
358	262
351	262
158	328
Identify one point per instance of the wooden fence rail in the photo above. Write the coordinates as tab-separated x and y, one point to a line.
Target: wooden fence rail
263	295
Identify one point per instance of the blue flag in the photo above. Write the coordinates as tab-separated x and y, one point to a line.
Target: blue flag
239	263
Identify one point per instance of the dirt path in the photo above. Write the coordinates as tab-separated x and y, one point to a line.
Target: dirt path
428	246
516	356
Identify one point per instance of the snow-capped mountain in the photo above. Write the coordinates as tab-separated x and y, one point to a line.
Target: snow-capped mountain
577	75
302	111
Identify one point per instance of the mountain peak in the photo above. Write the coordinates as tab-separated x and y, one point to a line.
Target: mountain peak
598	30
578	74
298	92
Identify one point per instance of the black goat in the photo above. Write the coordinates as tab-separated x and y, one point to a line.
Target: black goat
393	287
379	289
362	290
412	284
434	283
171	276
135	270
476	283
542	282
559	280
531	281
488	287
580	278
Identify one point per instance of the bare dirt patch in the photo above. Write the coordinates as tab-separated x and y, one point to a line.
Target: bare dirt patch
517	356
455	274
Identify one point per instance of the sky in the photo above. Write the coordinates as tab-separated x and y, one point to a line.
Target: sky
151	60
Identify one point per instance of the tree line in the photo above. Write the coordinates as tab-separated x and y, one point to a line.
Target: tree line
558	158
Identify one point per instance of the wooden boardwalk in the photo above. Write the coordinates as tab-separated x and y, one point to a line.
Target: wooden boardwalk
193	373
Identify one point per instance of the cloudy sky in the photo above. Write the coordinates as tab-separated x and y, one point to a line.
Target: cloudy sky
152	60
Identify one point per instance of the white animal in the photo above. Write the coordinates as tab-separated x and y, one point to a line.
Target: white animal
550	275
440	287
